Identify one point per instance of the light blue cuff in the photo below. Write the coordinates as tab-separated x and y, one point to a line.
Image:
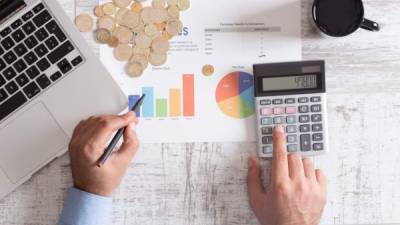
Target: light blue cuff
83	208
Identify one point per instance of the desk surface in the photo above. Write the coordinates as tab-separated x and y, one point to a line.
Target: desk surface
204	183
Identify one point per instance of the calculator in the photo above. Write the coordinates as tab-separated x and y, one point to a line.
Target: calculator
293	95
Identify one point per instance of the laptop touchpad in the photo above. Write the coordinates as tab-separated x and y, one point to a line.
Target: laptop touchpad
29	141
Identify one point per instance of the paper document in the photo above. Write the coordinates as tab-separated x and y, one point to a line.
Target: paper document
182	104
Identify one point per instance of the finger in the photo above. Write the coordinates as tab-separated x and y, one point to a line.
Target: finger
280	168
254	183
321	179
130	145
309	170
296	169
106	125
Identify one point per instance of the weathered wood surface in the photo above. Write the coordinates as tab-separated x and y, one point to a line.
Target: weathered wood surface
204	183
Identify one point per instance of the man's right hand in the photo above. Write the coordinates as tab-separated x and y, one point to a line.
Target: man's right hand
297	193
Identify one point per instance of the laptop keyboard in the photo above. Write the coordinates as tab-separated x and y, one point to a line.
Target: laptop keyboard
34	54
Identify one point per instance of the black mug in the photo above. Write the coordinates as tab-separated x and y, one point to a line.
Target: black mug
339	18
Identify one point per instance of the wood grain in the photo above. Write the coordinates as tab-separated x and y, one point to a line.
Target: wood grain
205	183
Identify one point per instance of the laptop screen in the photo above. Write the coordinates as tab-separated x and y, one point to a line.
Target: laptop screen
9	8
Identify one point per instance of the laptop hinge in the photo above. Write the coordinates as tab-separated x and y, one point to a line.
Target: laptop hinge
10	7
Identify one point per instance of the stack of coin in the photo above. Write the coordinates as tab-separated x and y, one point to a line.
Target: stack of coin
138	32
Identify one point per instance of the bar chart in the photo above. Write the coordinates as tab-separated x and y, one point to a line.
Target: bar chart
180	102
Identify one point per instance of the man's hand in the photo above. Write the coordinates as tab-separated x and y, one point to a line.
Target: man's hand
297	193
87	145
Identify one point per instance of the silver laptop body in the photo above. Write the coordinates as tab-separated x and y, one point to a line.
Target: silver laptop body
51	86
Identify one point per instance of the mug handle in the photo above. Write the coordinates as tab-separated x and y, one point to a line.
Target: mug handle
370	25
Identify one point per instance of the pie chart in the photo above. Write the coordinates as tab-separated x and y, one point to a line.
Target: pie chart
235	95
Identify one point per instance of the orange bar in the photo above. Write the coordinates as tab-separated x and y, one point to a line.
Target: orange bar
175	102
188	95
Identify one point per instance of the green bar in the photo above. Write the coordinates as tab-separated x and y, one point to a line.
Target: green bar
161	107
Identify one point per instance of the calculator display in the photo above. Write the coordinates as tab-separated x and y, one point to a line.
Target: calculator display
289	83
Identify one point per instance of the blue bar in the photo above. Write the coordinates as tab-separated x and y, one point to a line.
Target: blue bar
148	103
132	99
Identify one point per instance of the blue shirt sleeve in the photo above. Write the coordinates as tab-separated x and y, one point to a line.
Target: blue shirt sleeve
83	208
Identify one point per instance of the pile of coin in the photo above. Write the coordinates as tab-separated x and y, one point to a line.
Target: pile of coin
138	32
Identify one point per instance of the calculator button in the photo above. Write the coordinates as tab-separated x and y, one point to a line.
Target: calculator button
316	118
316	108
318	137
305	142
290	101
277	101
266	111
290	110
279	111
291	119
303	100
291	129
267	149
279	120
292	148
317	127
266	121
292	138
315	99
318	146
267	140
266	130
265	102
303	109
305	128
304	119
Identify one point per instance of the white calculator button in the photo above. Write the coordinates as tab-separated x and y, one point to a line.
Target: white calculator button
292	138
267	149
266	130
291	129
292	148
291	119
267	140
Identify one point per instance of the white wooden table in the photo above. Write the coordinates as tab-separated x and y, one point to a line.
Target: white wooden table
204	183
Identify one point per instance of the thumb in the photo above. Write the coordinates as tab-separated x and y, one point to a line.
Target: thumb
254	183
130	145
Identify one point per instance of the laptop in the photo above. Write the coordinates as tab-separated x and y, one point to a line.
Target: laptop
49	81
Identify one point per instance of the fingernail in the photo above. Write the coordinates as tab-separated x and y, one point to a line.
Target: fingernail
279	129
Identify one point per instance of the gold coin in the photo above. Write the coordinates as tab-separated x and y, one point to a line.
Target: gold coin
141	51
137	7
146	15
119	15
174	12
113	42
174	27
183	4
84	22
98	11
123	52
208	70
160	46
103	36
123	34
142	59
166	35
142	40
172	2
106	22
157	59
131	19
139	28
135	69
158	15
109	8
151	30
122	3
161	26
159	4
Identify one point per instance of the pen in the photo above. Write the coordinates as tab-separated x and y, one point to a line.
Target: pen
117	136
